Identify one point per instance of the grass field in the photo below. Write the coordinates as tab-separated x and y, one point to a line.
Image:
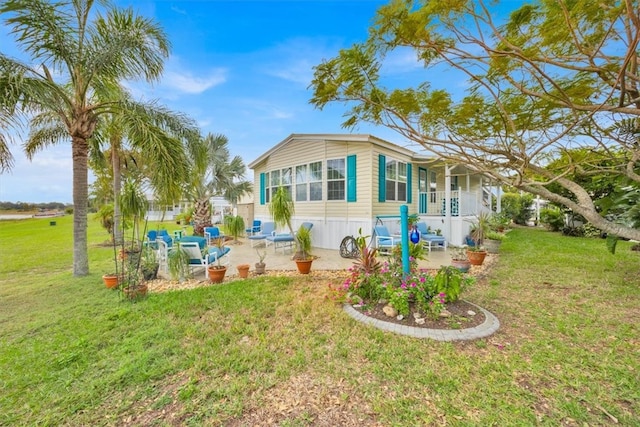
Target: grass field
275	351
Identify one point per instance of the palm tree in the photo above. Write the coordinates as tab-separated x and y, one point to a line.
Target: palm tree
213	174
149	138
74	58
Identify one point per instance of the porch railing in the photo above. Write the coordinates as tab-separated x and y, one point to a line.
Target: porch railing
462	203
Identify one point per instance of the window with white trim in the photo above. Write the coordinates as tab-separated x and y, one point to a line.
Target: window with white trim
396	180
309	182
336	179
274	179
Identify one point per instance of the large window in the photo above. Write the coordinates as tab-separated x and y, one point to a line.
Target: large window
274	179
336	179
315	181
302	186
396	180
309	182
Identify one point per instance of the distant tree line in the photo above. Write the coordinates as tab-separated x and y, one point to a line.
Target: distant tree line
30	207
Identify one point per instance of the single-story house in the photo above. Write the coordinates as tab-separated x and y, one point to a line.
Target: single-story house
345	182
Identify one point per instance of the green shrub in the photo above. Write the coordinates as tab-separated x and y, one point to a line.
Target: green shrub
234	225
518	207
552	218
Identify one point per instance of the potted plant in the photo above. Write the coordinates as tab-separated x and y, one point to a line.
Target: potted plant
459	258
479	229
133	204
133	286
303	257
150	264
282	209
217	272
260	265
492	241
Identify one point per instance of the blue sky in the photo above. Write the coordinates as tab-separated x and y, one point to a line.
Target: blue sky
240	68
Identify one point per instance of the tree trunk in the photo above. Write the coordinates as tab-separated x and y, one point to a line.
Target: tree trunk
80	151
201	216
117	185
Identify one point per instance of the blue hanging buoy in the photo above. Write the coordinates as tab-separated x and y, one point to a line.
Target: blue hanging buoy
415	235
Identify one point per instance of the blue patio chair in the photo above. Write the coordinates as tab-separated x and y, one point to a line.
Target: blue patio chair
164	236
198	259
385	242
255	228
285	239
267	229
152	235
212	233
430	240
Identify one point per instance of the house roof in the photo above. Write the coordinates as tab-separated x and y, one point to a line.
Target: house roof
342	137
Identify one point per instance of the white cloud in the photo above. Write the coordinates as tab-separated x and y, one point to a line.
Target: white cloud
186	82
178	10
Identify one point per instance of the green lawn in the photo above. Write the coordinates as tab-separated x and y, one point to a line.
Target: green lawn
275	350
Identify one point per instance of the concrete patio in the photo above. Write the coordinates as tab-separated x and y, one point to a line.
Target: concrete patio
243	253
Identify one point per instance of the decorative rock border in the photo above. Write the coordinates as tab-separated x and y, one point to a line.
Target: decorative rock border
490	325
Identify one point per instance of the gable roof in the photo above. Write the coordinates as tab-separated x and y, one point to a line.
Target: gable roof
341	137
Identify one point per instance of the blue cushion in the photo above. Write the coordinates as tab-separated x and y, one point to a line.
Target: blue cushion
385	241
215	253
167	239
281	238
202	242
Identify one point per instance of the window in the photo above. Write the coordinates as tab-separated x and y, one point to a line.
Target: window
274	179
309	182
267	188
336	182
432	187
315	181
301	183
396	180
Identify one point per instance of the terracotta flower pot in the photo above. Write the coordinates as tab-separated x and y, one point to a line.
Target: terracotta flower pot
110	280
136	292
243	270
476	257
304	265
462	265
216	274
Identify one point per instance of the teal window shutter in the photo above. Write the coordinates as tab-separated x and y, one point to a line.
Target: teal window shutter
409	191
351	179
262	189
382	178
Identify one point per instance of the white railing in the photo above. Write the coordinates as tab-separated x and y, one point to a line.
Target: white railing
462	203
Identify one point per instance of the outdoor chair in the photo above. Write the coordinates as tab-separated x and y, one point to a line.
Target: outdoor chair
212	233
430	240
385	242
267	229
197	259
255	228
284	240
